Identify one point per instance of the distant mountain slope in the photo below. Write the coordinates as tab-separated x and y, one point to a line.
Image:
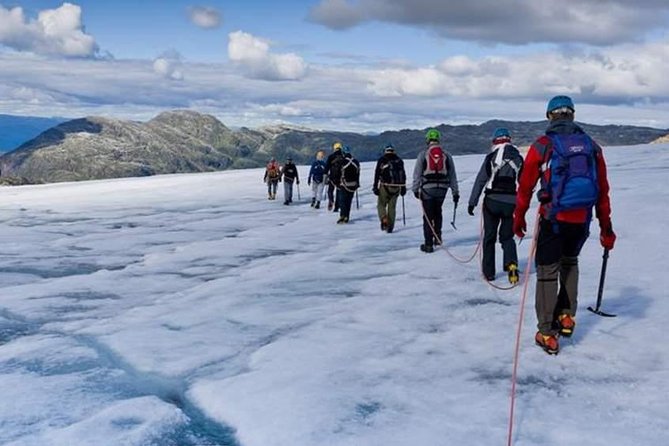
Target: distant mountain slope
187	141
662	139
15	130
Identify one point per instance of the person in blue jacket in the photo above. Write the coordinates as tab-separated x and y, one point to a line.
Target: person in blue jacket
315	180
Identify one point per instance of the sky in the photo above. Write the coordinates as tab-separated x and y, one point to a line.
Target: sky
360	65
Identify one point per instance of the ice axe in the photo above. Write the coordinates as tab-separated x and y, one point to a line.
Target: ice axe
455	208
602	276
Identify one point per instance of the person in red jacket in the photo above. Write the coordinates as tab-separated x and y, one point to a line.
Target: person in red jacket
562	230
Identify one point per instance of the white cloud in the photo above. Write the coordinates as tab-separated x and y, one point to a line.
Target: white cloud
205	17
254	55
595	22
55	32
625	84
169	65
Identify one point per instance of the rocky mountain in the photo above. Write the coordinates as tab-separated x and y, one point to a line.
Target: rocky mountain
662	139
15	130
187	141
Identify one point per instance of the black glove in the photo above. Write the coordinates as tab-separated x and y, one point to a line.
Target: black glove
298	181
456	198
417	195
470	210
308	182
376	191
403	190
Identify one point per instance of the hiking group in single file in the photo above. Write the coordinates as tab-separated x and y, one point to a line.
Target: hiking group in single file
567	164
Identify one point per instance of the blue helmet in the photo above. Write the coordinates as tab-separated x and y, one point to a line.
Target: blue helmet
501	132
560	102
389	148
346	149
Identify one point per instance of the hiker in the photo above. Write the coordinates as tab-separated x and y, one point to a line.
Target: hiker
497	179
348	184
290	175
272	178
572	172
316	179
434	173
332	174
389	183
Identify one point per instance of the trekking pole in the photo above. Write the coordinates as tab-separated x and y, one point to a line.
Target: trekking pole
357	203
404	217
298	192
455	207
602	276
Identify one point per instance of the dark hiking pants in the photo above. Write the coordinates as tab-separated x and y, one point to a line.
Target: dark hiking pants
386	204
331	193
557	271
497	218
345	201
432	216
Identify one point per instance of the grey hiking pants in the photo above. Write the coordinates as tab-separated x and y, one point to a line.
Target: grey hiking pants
497	217
386	204
288	191
557	272
317	190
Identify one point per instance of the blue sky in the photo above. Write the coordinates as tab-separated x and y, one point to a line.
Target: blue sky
353	65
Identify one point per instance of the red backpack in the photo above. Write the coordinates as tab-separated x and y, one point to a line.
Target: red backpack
436	167
273	170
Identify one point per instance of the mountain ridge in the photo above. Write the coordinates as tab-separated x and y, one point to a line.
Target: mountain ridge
182	141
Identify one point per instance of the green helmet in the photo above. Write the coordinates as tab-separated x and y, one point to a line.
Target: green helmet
432	135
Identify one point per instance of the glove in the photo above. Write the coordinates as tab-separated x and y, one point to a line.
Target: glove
607	237
403	190
417	195
470	210
376	191
456	198
519	225
309	182
298	181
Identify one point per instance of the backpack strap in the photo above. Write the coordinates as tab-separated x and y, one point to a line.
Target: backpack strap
497	163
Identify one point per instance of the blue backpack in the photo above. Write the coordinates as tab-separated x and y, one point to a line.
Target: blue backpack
573	174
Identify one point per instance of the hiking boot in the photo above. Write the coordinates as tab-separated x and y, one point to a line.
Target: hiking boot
489	277
549	343
389	229
341	220
286	202
566	324
426	248
512	271
313	202
318	205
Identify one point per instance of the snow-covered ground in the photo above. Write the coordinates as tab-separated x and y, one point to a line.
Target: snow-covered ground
189	310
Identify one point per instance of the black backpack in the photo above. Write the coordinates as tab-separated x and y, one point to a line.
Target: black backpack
504	169
392	172
350	173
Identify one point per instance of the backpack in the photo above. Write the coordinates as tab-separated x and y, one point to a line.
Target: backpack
349	174
572	180
392	172
436	167
272	170
504	171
